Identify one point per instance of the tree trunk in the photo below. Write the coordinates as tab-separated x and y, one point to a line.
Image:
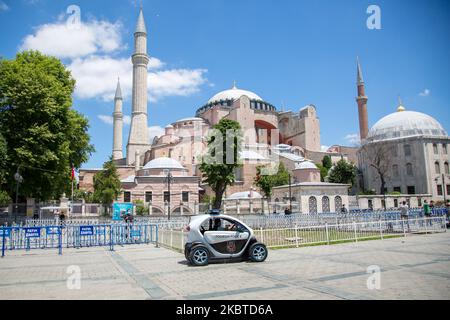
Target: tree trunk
219	195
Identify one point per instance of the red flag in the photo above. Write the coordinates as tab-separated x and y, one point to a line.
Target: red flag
73	173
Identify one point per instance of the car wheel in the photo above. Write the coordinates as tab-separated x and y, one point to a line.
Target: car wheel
258	252
199	256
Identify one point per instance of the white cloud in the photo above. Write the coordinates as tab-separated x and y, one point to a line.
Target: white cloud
109	119
91	49
3	6
106	119
155	131
353	139
425	93
63	41
324	148
96	76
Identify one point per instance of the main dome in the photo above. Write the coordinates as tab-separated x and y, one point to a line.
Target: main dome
405	124
233	94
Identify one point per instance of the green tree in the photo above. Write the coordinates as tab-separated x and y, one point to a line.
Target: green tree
323	171
5	199
222	159
44	136
141	208
343	172
327	163
107	187
266	182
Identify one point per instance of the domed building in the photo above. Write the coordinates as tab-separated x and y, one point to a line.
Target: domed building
410	149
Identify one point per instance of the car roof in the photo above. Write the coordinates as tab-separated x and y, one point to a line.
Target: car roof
199	219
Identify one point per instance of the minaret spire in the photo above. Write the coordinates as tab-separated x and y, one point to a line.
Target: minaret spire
117	123
359	77
361	99
138	138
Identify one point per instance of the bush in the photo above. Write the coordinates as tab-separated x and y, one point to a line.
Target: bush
141	209
5	199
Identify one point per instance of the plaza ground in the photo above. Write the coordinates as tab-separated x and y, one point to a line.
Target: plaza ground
416	267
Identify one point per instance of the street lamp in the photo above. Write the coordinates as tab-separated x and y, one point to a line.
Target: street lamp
168	179
19	180
290	195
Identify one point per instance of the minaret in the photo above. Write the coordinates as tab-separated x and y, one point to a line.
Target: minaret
138	138
361	99
117	124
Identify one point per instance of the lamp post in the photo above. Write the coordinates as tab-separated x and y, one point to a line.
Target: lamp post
169	179
290	195
19	180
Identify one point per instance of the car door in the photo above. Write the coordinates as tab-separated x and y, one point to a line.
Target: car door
227	242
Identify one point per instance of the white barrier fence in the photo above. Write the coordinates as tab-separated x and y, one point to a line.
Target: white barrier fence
299	236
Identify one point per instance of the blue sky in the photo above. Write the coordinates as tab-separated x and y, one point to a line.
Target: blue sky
289	52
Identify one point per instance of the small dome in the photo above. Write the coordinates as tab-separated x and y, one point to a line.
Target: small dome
244	195
164	163
189	119
234	94
305	165
405	124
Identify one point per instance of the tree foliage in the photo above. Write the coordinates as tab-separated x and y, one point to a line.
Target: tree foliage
107	187
327	163
343	172
267	182
44	136
221	160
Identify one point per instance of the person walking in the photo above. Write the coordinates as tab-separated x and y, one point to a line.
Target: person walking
344	209
404	213
427	212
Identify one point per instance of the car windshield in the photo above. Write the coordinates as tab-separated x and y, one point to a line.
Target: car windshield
222	224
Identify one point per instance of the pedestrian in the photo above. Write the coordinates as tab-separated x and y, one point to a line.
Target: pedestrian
62	218
344	209
404	213
427	212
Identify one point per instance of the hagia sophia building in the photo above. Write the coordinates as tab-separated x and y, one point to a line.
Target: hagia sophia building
293	137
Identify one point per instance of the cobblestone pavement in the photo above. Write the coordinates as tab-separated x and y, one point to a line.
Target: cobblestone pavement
417	267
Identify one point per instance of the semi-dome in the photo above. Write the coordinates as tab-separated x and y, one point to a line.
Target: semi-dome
405	124
234	94
305	165
164	163
245	195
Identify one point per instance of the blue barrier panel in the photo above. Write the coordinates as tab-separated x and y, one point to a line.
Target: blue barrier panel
32	232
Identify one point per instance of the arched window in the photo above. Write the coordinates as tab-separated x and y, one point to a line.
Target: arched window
409	169
325	204
337	204
312	205
444	148
437	167
395	170
435	148
407	149
446	168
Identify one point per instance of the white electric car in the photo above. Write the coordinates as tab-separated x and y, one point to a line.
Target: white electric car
215	236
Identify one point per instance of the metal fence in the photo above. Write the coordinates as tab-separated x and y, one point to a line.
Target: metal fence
76	236
298	236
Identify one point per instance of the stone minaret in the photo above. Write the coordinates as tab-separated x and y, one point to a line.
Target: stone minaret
138	138
118	124
361	99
